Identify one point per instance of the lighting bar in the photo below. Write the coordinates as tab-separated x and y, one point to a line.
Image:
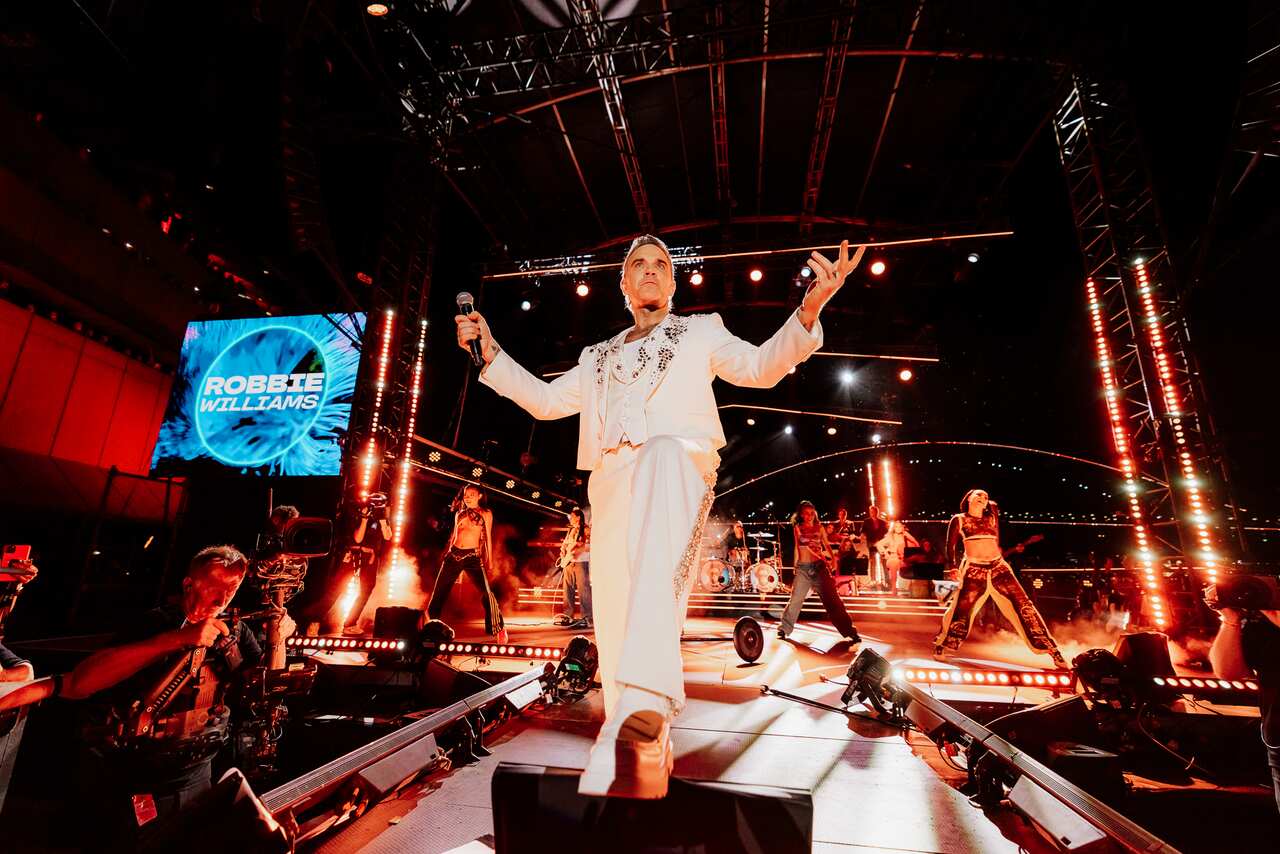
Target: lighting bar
1128	469
346	644
531	270
1055	679
1212	688
406	464
1173	409
809	412
495	650
384	358
933	360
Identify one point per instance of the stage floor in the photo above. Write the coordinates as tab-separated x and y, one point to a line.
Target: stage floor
873	790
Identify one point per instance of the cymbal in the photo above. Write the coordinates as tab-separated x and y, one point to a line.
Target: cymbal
758	549
764	535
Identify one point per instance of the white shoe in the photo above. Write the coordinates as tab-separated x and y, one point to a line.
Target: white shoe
636	763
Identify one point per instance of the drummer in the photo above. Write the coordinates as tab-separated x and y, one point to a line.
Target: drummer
840	533
735	545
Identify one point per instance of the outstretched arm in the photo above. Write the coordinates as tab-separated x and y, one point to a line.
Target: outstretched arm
743	363
543	400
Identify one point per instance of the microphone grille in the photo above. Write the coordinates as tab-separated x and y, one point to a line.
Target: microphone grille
464	298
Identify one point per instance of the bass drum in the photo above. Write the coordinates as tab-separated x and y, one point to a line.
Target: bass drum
715	575
764	576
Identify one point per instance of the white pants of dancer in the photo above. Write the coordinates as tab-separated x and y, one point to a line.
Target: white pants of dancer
648	507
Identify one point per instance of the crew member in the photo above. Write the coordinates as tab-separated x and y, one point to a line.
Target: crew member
470	550
649	432
814	559
973	543
1248	644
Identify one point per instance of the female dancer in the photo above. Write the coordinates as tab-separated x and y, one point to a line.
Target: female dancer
469	551
813	569
973	544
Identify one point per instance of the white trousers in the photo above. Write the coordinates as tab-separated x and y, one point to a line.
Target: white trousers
648	508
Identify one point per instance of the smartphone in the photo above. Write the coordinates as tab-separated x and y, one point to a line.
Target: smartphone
11	555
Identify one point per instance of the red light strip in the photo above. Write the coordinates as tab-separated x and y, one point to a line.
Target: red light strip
1173	409
1120	438
887	480
384	358
345	644
1205	684
998	678
402	487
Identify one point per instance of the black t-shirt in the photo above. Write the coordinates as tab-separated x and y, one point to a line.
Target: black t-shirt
875	529
10	659
1261	641
150	762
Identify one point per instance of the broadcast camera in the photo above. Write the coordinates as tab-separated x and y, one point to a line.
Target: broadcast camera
1244	593
374	508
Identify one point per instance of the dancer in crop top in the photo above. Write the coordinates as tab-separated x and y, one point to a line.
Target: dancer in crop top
973	544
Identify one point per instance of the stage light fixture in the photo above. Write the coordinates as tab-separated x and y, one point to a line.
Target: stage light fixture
583	289
695	278
846	377
806	272
787	430
434	457
377	10
751	422
973	257
831	431
905	375
477	471
756	274
525	305
791	370
878	267
875	438
511	484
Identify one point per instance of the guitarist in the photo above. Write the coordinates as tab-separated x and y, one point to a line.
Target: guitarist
163	684
815	561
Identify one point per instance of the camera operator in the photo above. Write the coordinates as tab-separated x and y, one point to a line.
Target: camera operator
164	685
1248	643
13	667
368	545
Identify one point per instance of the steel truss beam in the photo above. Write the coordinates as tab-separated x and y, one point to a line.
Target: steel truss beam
825	121
586	15
720	117
1158	427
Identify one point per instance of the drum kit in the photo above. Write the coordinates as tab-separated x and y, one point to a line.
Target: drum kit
741	574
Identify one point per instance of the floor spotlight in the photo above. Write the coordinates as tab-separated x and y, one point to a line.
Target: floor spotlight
905	375
756	274
878	267
695	278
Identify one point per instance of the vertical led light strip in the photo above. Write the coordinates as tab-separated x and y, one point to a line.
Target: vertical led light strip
887	482
871	483
1173	409
1120	437
402	486
384	357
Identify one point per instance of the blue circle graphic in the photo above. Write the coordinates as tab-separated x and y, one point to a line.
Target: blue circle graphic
250	434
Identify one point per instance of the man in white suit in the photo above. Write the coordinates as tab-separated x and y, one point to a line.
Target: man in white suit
648	432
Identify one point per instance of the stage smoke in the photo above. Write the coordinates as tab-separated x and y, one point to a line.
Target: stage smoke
397	585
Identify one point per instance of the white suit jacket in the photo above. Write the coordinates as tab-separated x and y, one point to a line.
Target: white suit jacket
684	353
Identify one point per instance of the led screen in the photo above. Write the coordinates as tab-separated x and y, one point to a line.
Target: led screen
265	396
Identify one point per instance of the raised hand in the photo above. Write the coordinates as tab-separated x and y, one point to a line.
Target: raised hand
472	326
203	633
828	278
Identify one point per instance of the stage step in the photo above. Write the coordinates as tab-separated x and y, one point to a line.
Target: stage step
538	808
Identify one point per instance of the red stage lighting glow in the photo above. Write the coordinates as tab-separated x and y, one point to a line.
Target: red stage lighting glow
878	267
756	274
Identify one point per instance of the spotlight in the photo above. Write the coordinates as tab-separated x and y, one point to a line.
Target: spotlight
846	377
831	431
377	10
751	422
756	274
477	471
878	267
525	305
511	484
973	257
905	375
695	278
791	370
582	289
787	430
806	272
875	438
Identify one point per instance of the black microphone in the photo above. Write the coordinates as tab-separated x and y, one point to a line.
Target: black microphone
467	306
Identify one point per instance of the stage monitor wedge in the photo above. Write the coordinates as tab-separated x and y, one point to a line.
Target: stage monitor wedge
261	396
